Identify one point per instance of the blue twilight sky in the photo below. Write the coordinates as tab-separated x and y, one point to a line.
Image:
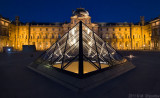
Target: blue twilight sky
61	10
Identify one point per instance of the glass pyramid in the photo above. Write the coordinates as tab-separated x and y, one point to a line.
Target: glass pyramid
80	52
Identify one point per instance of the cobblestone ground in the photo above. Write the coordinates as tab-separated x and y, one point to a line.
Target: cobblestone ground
17	81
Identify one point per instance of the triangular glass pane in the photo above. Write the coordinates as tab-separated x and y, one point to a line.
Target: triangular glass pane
90	53
72	40
49	52
88	66
87	30
89	40
114	55
58	53
70	53
69	50
72	65
98	39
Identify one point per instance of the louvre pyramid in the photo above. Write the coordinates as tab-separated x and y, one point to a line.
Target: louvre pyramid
80	52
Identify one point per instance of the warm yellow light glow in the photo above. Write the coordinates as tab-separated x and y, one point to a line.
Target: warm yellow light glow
74	41
88	31
90	43
131	56
73	67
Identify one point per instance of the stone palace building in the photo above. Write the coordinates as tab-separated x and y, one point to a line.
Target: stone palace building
121	36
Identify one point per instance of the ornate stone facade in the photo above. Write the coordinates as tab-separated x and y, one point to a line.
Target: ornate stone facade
123	36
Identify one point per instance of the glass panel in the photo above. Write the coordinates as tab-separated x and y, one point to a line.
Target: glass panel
88	66
114	55
72	40
73	65
98	40
64	53
49	52
71	53
58	53
89	40
91	54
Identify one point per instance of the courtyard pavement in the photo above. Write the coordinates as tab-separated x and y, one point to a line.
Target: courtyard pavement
17	81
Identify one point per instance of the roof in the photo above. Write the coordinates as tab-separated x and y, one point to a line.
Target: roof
80	12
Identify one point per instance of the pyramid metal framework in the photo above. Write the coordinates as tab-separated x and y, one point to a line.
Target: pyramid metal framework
80	52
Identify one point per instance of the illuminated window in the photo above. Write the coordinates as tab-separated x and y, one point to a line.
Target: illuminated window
125	35
52	29
6	24
40	36
125	29
40	29
157	23
46	29
126	44
52	35
136	44
107	29
114	36
59	36
107	35
2	22
119	35
153	24
33	36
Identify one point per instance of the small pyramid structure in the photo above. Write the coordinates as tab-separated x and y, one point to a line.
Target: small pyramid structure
80	52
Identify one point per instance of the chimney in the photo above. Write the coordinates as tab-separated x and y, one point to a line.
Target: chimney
142	21
17	20
73	12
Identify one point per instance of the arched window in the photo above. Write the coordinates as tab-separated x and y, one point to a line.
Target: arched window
52	35
40	36
59	36
126	44
46	36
